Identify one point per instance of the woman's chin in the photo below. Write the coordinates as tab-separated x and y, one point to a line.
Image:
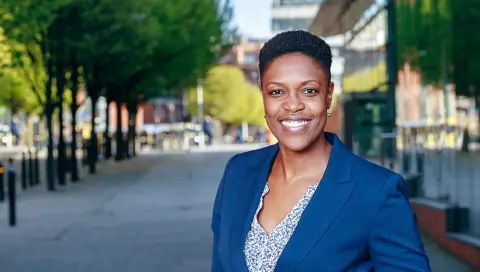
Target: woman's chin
295	145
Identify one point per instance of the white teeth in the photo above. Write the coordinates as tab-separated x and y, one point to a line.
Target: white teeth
294	124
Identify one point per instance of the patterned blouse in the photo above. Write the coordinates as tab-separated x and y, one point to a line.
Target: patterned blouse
262	250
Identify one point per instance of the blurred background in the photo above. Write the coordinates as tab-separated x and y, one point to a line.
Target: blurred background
120	116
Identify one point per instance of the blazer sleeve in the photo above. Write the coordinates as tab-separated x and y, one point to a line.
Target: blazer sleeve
395	243
216	220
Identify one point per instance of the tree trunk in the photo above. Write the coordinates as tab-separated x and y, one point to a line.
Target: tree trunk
131	129
108	139
73	145
93	89
93	148
130	134
119	133
50	159
49	107
61	149
134	129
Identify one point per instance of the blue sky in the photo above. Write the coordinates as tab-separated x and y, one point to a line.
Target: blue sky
252	17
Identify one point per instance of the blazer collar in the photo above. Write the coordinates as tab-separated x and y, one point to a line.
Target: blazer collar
247	203
316	217
332	193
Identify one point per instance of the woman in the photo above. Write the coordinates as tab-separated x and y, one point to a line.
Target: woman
308	203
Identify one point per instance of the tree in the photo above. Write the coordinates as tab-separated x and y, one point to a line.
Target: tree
187	40
30	32
255	111
229	98
439	39
14	89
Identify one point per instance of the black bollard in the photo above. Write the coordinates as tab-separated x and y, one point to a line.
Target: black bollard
85	158
12	195
30	169
37	169
24	172
2	183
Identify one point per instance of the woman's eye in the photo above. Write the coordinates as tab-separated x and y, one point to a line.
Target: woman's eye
276	92
309	91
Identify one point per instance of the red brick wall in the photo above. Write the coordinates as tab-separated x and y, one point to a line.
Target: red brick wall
432	222
113	115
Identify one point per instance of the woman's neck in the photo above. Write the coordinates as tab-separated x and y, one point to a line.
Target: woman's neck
293	164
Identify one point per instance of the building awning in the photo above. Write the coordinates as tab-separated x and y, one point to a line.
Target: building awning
338	16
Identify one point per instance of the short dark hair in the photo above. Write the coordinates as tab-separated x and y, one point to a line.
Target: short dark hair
296	41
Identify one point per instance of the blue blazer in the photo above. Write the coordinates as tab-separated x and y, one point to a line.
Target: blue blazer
359	218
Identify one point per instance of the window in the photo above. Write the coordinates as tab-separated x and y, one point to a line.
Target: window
290	24
296	2
335	52
250	58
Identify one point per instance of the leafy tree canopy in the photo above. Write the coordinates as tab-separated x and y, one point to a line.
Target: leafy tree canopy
438	37
229	97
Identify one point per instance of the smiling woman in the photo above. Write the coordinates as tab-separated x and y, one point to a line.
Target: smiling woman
308	203
297	95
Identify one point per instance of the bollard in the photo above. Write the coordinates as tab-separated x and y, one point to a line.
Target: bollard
24	172
2	183
85	158
37	169
12	195
30	169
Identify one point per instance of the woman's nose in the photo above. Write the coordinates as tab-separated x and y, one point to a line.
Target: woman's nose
294	103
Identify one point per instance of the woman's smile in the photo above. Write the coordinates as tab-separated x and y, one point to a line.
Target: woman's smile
295	125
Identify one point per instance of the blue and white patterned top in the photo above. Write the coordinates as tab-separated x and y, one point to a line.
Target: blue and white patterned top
262	250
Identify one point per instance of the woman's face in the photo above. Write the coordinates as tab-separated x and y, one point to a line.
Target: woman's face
296	95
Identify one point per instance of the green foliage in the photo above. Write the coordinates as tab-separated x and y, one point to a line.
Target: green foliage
438	37
14	89
187	41
134	49
27	35
229	97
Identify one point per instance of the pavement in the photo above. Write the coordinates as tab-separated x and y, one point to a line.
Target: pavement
151	213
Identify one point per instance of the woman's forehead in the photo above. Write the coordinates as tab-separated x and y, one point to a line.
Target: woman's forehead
294	64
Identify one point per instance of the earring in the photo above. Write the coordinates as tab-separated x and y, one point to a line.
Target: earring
329	115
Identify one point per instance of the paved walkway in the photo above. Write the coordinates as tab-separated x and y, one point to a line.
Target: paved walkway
149	214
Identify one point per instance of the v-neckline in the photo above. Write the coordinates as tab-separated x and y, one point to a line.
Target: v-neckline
289	214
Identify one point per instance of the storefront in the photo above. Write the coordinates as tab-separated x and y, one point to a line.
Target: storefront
364	79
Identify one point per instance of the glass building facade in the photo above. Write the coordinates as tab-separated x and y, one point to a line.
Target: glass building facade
293	14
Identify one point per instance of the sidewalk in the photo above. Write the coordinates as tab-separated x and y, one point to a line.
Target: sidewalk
216	148
105	171
440	260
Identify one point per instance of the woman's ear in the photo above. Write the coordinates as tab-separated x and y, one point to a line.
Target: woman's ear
331	88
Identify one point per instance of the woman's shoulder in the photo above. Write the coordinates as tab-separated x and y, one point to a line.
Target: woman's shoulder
374	180
252	158
366	171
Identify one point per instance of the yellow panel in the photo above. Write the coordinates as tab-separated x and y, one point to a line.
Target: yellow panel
451	140
366	79
452	121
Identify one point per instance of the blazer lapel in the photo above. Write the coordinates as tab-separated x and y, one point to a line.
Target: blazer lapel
247	203
328	200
